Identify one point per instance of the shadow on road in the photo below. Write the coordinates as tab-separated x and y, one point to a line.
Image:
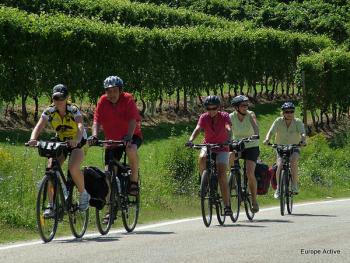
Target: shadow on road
241	225
150	233
273	221
87	239
313	215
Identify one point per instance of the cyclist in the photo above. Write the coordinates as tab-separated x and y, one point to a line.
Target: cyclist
288	130
66	119
217	129
244	125
117	114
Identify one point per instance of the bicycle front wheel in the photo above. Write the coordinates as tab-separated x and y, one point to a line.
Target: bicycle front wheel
104	216
248	201
47	222
219	207
289	194
130	212
234	196
206	204
282	190
78	220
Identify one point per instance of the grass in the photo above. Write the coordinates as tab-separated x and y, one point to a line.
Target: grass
323	169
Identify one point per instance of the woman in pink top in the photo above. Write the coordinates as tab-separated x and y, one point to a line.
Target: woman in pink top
217	129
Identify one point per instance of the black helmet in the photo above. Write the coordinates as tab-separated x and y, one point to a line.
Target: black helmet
60	90
212	100
113	81
288	105
238	100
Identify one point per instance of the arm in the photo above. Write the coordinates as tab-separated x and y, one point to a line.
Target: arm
131	128
271	132
254	123
229	131
195	133
37	130
80	132
95	128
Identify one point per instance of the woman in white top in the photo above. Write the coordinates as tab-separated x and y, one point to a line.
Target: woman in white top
288	130
244	125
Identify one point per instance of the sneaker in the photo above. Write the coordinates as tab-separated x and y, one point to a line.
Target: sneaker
276	194
227	211
84	201
295	189
49	212
255	207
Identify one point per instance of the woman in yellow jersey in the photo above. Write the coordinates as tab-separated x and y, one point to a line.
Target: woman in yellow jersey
288	130
67	121
244	125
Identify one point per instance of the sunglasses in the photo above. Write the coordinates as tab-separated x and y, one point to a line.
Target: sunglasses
210	109
59	98
288	111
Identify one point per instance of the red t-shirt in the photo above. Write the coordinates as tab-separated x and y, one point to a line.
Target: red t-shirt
215	132
115	118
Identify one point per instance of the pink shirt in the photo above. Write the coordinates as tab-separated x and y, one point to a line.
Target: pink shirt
215	133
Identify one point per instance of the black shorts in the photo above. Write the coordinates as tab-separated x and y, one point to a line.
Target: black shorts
117	153
251	154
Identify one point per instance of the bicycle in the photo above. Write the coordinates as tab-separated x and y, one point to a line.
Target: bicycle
285	176
118	179
209	193
240	192
59	194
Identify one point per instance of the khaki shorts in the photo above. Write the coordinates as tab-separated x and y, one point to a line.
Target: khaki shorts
221	157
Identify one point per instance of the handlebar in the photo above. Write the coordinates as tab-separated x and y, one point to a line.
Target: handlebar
109	142
218	145
275	145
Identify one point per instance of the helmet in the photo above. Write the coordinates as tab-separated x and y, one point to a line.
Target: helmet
238	100
60	90
212	100
287	105
113	81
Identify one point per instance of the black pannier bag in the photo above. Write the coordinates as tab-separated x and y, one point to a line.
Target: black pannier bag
96	186
263	178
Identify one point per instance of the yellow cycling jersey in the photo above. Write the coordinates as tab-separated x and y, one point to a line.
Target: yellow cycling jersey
66	128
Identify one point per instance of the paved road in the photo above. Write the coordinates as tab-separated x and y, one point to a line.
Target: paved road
317	232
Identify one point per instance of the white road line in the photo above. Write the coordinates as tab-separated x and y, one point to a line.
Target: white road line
174	222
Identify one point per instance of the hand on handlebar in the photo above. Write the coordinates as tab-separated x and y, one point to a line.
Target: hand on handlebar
189	144
266	142
32	142
92	140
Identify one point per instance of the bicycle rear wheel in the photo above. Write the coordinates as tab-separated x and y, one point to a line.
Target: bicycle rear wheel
234	196
47	224
248	201
206	204
78	220
104	216
282	190
289	194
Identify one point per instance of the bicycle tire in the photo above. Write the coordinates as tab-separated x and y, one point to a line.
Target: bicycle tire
130	206
78	220
206	203
104	216
219	205
47	226
289	195
248	201
282	190
234	197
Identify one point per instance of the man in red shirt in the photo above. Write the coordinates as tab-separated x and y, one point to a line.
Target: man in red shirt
217	129
117	114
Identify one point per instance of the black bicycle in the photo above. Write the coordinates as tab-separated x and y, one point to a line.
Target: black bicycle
209	194
118	198
285	176
58	194
239	192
